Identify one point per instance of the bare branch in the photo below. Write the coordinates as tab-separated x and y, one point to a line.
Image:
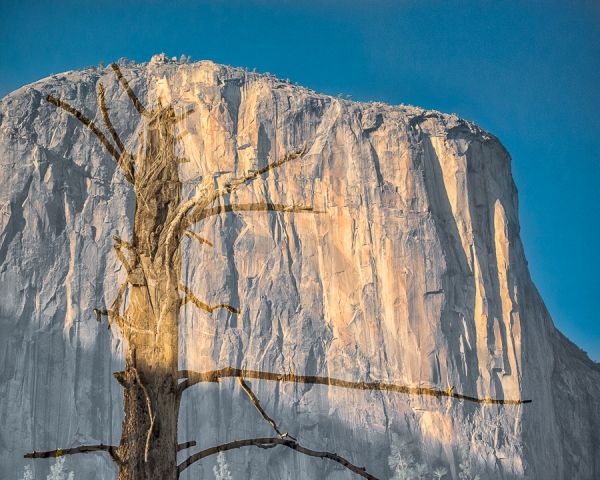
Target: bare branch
183	446
191	234
193	378
99	314
269	443
197	207
252	207
111	450
256	403
125	159
107	122
114	314
123	162
181	136
87	122
124	244
136	103
190	297
150	414
184	115
122	258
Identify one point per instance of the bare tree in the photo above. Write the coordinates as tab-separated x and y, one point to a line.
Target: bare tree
149	319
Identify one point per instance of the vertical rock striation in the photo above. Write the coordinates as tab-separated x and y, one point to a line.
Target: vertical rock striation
414	275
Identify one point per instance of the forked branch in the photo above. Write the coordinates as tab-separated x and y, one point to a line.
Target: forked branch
196	207
110	449
119	157
190	297
192	378
270	443
256	403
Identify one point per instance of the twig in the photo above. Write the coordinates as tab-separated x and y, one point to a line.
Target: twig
269	443
190	297
256	403
183	446
99	314
110	449
193	378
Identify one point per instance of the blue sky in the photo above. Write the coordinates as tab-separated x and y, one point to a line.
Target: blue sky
528	71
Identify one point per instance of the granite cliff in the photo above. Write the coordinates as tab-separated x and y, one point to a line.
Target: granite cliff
414	275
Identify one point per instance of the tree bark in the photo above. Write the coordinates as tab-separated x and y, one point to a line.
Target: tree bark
150	323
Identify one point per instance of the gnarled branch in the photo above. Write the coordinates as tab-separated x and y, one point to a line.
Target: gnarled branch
136	102
190	297
256	403
269	443
110	449
192	378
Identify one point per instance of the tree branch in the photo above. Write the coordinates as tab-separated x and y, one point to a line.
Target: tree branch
125	244
181	136
269	443
195	207
114	314
117	156
107	122
250	207
124	159
122	258
191	234
256	403
190	297
88	123
136	103
184	115
111	450
192	378
183	446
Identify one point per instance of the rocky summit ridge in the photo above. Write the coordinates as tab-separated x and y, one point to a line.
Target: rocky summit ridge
413	274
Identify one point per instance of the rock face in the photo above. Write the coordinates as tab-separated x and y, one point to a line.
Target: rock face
413	275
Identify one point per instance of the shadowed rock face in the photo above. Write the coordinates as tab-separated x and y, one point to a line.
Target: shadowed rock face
415	275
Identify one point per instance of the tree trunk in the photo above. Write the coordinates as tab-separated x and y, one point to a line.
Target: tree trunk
148	448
